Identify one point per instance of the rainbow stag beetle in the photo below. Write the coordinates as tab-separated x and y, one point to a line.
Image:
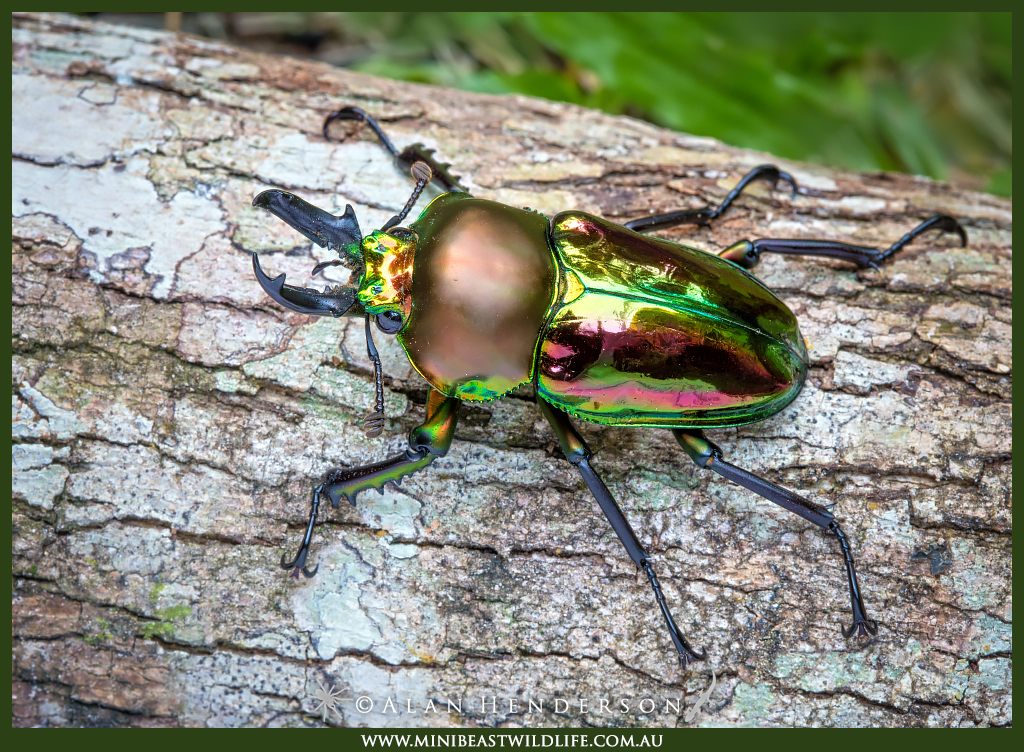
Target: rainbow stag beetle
609	325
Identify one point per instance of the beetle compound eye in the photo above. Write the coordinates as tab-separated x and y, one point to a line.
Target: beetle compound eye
389	322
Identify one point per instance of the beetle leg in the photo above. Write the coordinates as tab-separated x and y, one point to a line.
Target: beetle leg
707	454
406	158
426	442
747	253
298	564
766	172
577	452
355	113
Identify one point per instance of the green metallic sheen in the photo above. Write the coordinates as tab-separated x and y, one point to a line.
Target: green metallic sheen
436	435
615	327
650	332
482	283
386	283
431	440
377	476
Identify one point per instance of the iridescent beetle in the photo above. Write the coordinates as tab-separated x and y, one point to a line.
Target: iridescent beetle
609	325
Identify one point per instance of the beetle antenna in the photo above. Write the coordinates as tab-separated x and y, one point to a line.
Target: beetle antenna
373	424
421	173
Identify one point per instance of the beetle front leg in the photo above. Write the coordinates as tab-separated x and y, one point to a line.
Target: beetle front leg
426	443
708	454
577	452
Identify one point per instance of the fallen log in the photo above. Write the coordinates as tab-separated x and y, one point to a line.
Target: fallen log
169	422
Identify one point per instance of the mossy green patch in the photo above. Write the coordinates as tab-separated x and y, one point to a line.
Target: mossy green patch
154	592
163	626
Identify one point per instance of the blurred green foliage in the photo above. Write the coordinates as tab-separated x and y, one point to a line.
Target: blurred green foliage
924	93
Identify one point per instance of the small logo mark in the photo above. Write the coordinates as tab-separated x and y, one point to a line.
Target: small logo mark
327	699
690	714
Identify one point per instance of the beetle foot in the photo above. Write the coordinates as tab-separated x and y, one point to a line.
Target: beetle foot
785	177
689	655
863	627
942	222
766	172
298	564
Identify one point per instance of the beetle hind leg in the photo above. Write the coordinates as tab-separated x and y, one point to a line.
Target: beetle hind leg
578	454
708	455
747	253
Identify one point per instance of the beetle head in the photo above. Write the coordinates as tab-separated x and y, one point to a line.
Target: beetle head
386	286
381	262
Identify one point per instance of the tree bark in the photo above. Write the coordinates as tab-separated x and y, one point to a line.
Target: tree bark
169	422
